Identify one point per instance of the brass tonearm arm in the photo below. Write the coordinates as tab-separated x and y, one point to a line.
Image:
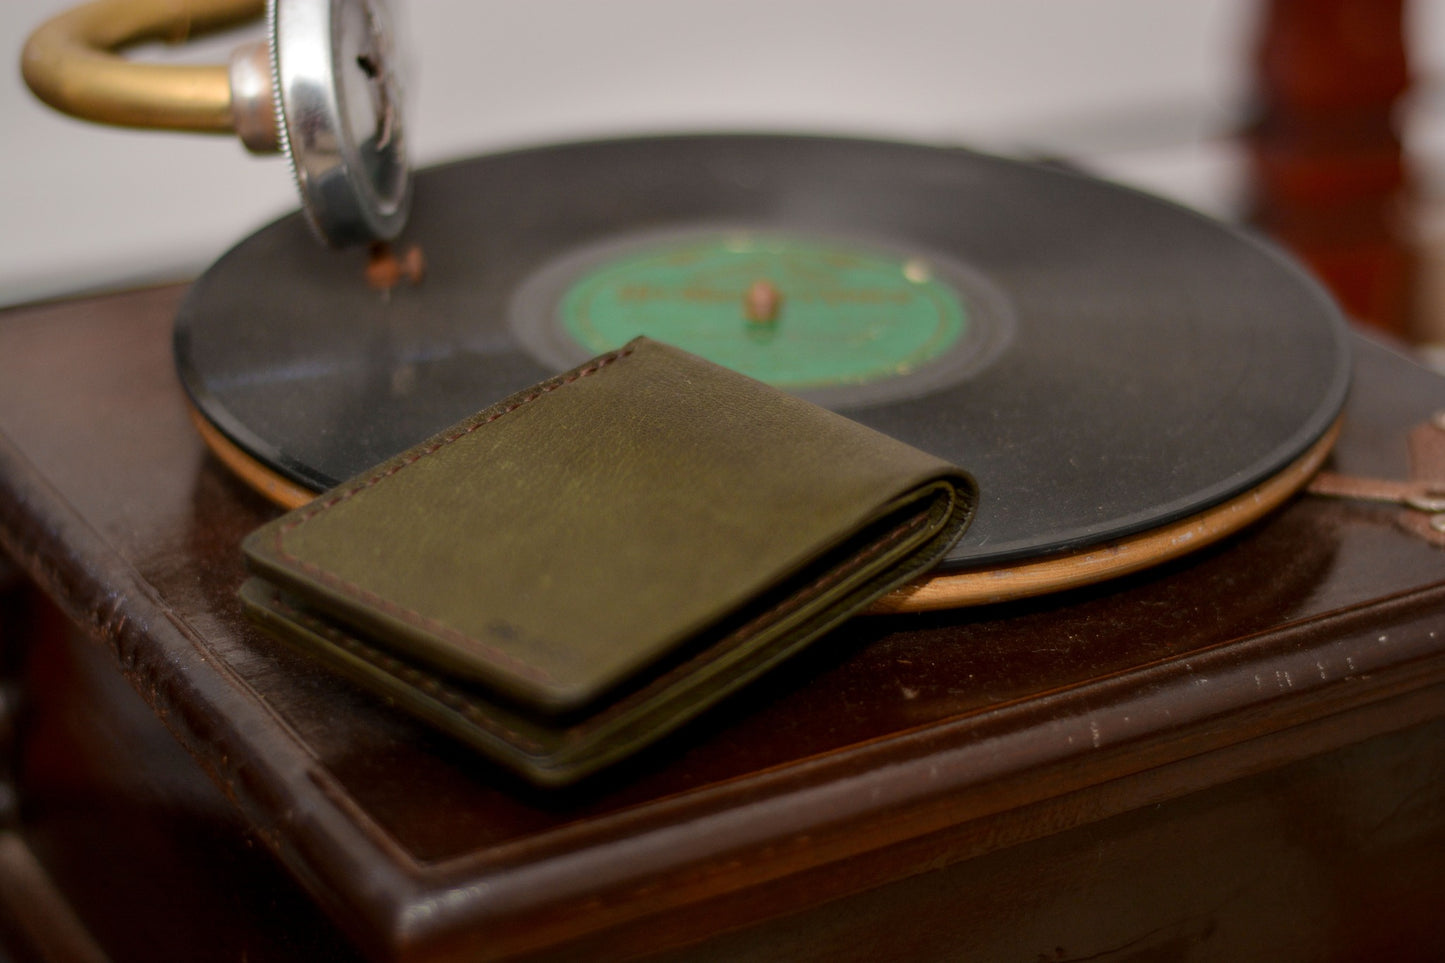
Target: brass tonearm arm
72	63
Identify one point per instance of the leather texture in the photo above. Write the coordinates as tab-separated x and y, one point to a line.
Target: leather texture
577	570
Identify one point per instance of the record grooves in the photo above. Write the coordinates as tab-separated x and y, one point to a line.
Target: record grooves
1106	364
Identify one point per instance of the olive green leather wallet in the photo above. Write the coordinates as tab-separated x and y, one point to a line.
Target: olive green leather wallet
568	575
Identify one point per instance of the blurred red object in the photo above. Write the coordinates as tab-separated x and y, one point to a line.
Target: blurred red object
1329	169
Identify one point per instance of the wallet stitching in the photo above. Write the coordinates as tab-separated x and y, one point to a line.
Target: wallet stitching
472	712
410	615
410	675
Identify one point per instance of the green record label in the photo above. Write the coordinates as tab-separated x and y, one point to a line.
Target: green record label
797	314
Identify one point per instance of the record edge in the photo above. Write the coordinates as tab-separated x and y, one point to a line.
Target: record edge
949	590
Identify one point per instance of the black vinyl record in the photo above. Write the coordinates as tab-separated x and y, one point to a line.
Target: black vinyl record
1103	362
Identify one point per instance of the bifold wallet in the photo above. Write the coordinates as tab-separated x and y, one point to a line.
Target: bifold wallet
579	569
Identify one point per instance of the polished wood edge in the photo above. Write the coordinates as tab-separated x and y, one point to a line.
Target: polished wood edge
242	743
1004	583
1008	583
33	909
1138	784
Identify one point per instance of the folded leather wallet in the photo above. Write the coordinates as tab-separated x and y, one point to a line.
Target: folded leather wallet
568	575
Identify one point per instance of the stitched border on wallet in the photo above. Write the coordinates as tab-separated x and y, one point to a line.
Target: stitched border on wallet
654	697
406	614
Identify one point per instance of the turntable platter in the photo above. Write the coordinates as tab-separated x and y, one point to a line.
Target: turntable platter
1106	364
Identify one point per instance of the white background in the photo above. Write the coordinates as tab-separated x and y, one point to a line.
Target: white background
1140	89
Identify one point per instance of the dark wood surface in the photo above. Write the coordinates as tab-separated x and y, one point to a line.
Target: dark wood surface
1238	754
